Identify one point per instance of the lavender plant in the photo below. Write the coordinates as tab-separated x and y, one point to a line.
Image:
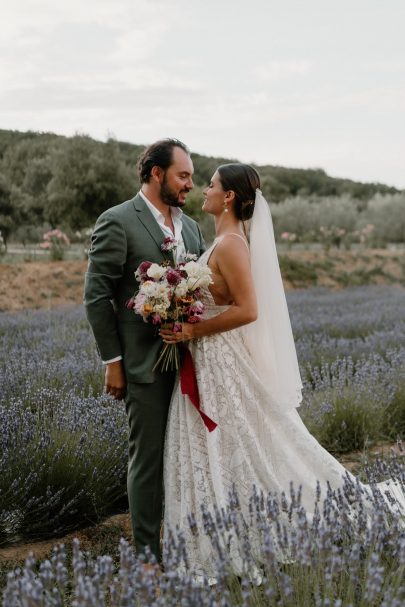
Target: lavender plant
351	348
63	444
62	447
350	553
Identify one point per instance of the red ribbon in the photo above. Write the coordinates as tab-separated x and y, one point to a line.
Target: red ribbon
189	387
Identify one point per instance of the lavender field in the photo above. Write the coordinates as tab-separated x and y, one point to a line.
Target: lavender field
63	443
63	464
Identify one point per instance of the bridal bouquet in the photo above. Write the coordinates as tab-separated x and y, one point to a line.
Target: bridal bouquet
170	296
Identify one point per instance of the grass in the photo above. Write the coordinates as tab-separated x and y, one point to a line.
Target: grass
298	273
19	254
393	424
363	276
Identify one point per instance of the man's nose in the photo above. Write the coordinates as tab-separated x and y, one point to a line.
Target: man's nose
190	183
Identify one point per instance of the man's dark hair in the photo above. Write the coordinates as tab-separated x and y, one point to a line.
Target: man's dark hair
157	154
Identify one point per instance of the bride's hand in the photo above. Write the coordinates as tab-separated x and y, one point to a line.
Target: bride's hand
174	337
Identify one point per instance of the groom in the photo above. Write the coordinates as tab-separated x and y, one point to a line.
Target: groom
125	236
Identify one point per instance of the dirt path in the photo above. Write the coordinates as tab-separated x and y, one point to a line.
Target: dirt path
120	524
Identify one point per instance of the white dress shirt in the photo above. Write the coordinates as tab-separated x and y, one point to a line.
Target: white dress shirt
179	252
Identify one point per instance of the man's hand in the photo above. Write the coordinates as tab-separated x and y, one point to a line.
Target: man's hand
115	383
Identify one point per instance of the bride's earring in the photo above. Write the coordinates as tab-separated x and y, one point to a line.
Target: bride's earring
225	207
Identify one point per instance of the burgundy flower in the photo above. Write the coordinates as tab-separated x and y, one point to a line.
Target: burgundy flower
169	244
173	277
141	273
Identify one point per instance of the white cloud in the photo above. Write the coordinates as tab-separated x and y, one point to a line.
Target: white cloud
279	70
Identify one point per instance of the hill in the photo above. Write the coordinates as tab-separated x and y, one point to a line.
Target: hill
68	181
278	182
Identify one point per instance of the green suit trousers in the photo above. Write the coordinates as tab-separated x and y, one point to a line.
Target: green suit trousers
147	407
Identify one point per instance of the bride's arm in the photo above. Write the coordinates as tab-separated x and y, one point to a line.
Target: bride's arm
232	258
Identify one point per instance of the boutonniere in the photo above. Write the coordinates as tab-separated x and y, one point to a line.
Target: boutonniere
169	244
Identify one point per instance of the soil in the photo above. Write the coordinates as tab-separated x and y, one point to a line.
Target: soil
41	284
37	284
120	523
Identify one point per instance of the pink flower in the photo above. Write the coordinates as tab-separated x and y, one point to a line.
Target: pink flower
177	327
197	308
193	319
139	303
156	319
55	235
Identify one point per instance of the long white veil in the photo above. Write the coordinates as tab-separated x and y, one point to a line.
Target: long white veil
269	338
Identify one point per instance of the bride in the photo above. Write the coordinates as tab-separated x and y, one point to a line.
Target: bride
247	374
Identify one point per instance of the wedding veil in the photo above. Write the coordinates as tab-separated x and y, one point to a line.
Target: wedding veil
269	338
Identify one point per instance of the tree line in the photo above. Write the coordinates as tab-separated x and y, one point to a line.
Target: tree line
48	179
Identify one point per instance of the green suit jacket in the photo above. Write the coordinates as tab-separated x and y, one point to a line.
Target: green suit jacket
124	236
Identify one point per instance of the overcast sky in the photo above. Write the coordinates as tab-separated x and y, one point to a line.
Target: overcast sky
315	83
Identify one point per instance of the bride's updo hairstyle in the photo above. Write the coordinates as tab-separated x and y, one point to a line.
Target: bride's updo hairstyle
243	180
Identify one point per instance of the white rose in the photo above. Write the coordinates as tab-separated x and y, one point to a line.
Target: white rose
192	268
155	271
196	282
182	288
202	279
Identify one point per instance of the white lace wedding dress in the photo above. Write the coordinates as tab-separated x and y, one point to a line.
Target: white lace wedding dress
253	445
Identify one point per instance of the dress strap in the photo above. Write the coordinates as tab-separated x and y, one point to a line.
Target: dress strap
206	256
234	234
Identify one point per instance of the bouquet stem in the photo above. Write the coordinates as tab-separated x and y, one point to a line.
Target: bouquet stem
169	359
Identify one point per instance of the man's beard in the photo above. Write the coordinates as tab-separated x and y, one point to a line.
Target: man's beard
168	196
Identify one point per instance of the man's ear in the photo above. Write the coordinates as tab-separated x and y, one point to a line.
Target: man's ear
157	174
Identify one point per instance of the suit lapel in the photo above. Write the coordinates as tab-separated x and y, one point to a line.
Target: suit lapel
151	225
